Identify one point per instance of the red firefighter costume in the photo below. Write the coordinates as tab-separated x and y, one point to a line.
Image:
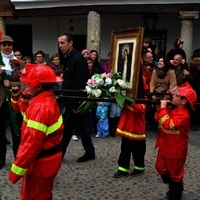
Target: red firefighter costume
132	129
172	141
39	156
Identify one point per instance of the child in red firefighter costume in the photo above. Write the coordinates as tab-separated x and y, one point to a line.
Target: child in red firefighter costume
172	140
132	128
39	156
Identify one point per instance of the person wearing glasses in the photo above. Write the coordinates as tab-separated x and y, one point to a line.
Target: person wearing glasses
40	57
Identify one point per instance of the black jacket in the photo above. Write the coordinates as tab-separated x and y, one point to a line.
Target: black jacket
75	73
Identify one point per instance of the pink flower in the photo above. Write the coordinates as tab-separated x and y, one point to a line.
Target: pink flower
109	75
91	81
94	81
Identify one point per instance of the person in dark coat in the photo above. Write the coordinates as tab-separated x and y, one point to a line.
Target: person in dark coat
75	76
178	49
97	69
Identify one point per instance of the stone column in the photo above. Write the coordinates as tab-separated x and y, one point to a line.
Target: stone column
93	31
187	18
3	25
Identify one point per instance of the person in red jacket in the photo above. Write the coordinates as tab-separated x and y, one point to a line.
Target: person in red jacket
172	140
132	128
39	156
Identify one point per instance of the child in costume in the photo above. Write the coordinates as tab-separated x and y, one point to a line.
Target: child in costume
172	140
132	128
39	156
102	115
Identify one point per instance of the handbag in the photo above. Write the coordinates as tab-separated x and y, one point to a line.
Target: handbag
161	89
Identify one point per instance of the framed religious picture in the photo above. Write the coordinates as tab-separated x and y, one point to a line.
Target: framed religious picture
125	56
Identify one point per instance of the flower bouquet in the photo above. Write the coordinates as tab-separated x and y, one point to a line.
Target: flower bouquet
106	85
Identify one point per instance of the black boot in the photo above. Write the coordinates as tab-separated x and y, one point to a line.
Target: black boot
2	151
116	122
165	178
176	189
112	126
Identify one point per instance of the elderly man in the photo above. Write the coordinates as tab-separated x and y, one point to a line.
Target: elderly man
181	70
10	68
148	62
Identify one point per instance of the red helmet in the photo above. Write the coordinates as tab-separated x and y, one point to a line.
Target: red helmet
186	91
40	73
34	74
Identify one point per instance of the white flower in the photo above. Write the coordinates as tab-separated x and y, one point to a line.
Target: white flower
112	89
114	81
108	81
88	89
100	81
121	83
96	92
123	92
103	75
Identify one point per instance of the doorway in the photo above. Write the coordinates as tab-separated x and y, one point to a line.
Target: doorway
80	42
22	36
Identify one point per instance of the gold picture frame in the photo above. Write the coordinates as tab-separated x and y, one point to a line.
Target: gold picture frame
125	56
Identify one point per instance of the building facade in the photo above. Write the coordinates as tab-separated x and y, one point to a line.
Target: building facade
36	24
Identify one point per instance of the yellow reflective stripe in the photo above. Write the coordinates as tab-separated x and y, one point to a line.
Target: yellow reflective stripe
18	170
170	131
13	101
25	118
42	127
139	168
171	125
123	169
36	125
164	118
130	108
23	114
55	126
131	134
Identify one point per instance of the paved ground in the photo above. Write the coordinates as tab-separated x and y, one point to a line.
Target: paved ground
93	180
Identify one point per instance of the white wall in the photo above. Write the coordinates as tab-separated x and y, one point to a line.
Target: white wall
46	29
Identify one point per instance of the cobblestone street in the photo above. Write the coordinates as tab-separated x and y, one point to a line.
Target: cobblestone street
93	180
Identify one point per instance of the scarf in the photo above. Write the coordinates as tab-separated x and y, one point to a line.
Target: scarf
6	61
161	73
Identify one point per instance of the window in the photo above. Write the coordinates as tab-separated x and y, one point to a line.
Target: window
158	39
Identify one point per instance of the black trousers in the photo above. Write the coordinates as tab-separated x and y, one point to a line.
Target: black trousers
16	138
135	147
4	116
80	121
